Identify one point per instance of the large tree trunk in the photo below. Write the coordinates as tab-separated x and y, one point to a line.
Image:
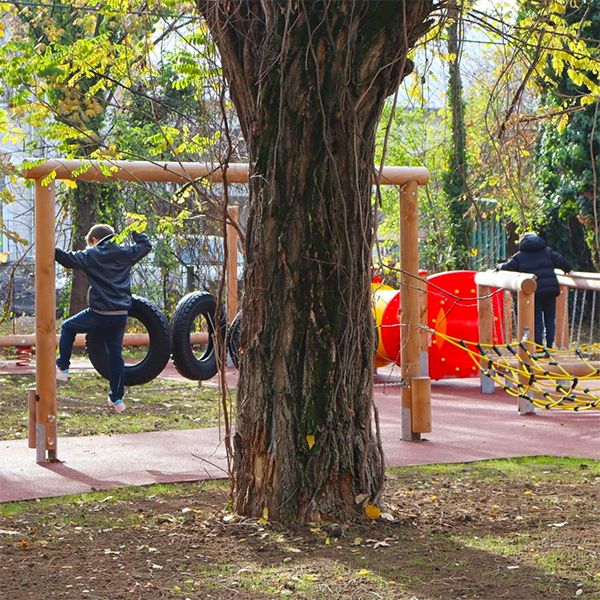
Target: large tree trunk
309	80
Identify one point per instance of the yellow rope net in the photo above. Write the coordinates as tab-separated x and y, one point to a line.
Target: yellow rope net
540	378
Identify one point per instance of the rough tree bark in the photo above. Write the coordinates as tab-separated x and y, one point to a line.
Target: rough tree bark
308	80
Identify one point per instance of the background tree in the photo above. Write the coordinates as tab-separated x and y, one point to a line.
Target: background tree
456	187
568	158
92	83
51	63
309	81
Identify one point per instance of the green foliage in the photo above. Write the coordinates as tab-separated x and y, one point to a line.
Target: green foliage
96	84
569	143
455	178
416	139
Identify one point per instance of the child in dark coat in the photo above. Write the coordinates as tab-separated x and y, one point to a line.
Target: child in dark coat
540	260
107	266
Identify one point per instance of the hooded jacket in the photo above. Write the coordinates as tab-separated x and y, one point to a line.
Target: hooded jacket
108	268
540	260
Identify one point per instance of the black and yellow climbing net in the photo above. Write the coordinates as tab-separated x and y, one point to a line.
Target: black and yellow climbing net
542	377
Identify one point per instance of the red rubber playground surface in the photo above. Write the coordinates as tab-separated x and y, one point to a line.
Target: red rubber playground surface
467	426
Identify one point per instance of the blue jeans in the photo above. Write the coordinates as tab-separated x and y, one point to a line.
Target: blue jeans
545	319
112	328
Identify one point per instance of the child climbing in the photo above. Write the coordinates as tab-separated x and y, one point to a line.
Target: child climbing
108	268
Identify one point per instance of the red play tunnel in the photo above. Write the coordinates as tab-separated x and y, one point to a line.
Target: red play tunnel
452	311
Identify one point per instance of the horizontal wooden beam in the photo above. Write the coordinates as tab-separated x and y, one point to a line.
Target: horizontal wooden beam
130	339
583	274
507	280
121	170
580	280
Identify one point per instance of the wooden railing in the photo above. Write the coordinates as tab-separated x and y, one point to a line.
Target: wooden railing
524	285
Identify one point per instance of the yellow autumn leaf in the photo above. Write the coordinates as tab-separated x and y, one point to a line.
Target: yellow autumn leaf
563	122
364	572
69	183
3	257
588	100
310	440
265	513
372	511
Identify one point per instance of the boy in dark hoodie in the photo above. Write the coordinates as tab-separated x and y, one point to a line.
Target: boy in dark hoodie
540	260
108	267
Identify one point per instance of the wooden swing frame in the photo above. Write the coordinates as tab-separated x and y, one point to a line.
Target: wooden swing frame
42	400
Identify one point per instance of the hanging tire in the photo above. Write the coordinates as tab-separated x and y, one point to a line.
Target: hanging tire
159	346
233	340
191	307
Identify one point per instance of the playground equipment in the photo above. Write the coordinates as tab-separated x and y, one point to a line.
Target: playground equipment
469	323
448	307
536	376
42	404
159	345
191	307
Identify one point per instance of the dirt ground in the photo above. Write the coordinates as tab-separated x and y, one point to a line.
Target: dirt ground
520	529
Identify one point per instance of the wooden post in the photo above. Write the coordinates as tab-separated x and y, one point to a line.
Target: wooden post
45	317
562	318
421	404
232	264
31	410
486	324
410	298
526	335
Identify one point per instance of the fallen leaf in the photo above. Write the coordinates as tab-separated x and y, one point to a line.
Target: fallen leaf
265	516
372	511
230	518
310	440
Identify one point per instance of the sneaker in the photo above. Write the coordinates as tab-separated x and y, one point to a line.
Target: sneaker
62	374
118	405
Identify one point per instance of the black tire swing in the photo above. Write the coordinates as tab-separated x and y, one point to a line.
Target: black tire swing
159	346
188	309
